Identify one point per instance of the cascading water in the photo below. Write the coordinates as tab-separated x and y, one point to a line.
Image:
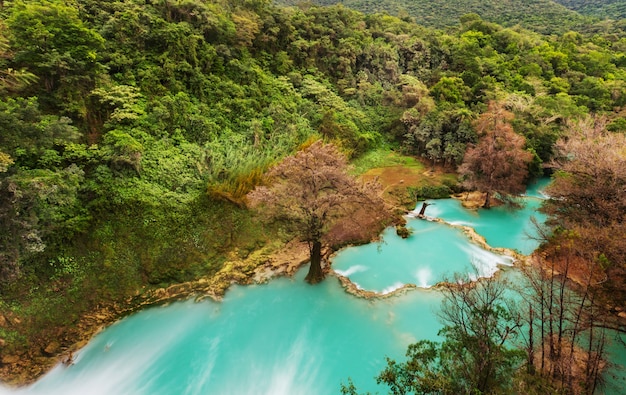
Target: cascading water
287	337
436	249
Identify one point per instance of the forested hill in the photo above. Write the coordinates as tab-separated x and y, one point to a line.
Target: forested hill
544	16
614	9
131	131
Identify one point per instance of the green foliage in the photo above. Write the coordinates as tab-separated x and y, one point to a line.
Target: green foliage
431	192
617	125
441	135
383	157
51	41
476	354
27	132
614	9
537	15
129	128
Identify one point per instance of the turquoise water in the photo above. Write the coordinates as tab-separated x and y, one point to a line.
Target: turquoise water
434	252
617	355
500	226
287	337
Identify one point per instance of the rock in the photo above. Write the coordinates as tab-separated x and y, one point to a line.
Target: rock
52	348
403	231
10	359
3	320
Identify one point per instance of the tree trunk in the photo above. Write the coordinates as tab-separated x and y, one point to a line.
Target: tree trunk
530	351
487	203
423	209
316	274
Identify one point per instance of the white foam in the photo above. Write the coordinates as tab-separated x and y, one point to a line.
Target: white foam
394	287
462	223
113	370
203	376
423	276
296	373
485	262
352	270
8	391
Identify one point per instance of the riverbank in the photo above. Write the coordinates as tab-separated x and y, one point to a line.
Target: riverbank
396	174
258	267
272	260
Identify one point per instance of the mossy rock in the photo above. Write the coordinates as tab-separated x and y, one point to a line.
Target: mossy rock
403	231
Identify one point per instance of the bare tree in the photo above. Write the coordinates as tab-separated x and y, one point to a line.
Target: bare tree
589	199
310	192
498	163
567	319
477	354
591	183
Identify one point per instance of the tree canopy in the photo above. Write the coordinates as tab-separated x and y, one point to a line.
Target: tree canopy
312	191
498	162
132	131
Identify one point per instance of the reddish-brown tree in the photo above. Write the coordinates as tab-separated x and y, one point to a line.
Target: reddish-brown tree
310	192
590	185
498	163
582	259
589	200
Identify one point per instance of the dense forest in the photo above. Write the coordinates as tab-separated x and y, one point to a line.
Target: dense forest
536	15
132	131
614	9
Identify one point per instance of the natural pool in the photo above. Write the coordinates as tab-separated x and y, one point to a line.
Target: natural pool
287	337
435	251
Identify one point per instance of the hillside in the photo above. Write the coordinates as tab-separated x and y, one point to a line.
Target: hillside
537	15
613	9
131	131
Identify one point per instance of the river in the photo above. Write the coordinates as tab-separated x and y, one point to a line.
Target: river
287	337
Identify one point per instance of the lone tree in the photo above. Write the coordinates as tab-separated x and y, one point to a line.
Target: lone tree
498	163
312	191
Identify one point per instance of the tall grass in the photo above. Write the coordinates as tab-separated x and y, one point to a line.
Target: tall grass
237	166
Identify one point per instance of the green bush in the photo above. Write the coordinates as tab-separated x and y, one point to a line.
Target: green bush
431	192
